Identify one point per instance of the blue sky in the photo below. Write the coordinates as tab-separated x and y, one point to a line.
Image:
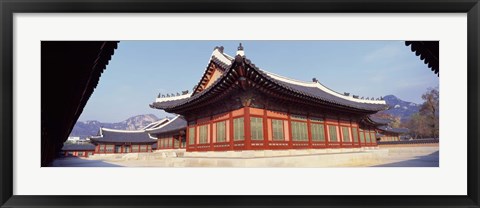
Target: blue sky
139	70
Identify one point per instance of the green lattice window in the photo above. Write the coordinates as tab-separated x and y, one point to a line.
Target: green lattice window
299	131
203	134
238	129
277	130
318	132
220	131
256	128
332	131
362	137
355	134
346	134
191	135
367	136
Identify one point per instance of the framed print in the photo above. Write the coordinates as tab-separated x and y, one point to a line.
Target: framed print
243	130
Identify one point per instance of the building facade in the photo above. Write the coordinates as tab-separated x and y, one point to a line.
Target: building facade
77	150
238	106
111	141
389	134
171	135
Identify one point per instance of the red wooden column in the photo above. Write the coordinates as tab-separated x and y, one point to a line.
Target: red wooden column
210	124
309	133
195	137
325	130
265	129
230	129
340	132
357	133
248	136
290	143
187	137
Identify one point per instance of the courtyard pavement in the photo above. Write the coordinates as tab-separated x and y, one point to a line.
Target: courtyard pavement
398	156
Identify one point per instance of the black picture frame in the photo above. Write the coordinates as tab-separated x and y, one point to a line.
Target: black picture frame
9	7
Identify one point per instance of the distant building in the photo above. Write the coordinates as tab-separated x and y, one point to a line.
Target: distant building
238	106
122	141
171	135
164	134
386	133
78	150
389	134
73	139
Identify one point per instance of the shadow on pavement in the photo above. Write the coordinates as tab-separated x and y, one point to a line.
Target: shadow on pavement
79	162
431	160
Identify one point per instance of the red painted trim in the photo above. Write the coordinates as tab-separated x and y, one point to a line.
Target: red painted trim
187	137
309	132
247	130
265	129
230	123
290	140
325	131
195	131
210	129
340	132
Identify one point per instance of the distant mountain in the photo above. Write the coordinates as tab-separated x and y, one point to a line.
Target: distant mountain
90	128
400	108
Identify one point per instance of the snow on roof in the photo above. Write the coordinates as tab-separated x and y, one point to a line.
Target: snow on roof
321	87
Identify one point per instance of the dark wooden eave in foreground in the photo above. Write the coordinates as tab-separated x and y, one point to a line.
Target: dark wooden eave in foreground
428	51
70	71
244	74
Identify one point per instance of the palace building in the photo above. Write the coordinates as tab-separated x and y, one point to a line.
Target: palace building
386	133
238	106
122	141
78	150
163	134
171	135
389	134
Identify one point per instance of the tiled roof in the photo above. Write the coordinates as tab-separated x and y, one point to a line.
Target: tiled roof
321	94
380	121
393	130
176	124
224	61
156	124
82	147
111	135
315	91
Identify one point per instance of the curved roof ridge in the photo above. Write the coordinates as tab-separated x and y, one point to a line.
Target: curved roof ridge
154	123
122	131
231	58
217	56
321	87
163	99
289	80
163	125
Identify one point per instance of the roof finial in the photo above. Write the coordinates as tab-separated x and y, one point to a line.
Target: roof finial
240	50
